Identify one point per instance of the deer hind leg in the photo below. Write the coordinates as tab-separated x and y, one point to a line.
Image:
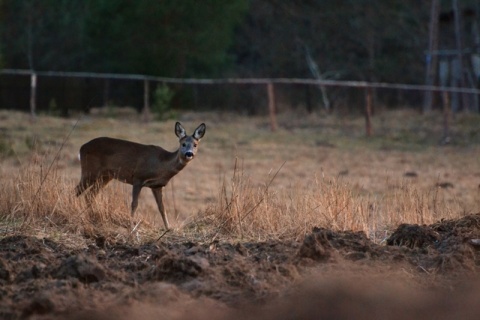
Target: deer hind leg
84	184
95	186
98	185
137	187
95	180
158	194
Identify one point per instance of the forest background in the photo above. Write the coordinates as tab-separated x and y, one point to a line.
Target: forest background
369	40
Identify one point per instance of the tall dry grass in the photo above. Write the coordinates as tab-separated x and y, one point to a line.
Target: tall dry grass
39	199
245	210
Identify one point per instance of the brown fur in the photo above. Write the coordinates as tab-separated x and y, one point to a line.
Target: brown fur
103	159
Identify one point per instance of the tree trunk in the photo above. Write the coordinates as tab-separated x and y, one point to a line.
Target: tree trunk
458	40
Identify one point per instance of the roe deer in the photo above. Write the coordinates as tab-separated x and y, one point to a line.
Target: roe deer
103	159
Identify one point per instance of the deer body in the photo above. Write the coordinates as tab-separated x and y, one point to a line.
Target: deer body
103	159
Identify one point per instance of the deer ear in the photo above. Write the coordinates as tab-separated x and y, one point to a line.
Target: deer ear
179	130
200	131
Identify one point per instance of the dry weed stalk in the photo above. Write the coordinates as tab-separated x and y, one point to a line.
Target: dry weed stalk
237	202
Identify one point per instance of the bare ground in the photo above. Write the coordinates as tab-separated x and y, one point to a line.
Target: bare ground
420	272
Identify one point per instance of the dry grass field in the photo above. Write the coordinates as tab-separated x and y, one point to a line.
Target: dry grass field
246	181
254	212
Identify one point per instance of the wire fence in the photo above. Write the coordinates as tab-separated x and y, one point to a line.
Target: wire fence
268	83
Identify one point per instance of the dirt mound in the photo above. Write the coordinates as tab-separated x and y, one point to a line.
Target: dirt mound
41	278
86	269
445	246
326	245
413	236
177	269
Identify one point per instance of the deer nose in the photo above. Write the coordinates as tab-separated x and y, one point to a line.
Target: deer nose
189	155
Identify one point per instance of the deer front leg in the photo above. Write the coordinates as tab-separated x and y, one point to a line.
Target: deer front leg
158	194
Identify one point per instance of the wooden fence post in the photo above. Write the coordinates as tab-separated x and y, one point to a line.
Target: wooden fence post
146	100
106	92
271	106
368	111
33	95
446	118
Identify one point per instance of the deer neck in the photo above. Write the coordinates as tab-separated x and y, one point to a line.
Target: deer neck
176	163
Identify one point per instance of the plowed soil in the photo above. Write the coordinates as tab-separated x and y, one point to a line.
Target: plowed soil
419	272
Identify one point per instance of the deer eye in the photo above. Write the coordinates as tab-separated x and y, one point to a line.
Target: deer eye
184	144
195	145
